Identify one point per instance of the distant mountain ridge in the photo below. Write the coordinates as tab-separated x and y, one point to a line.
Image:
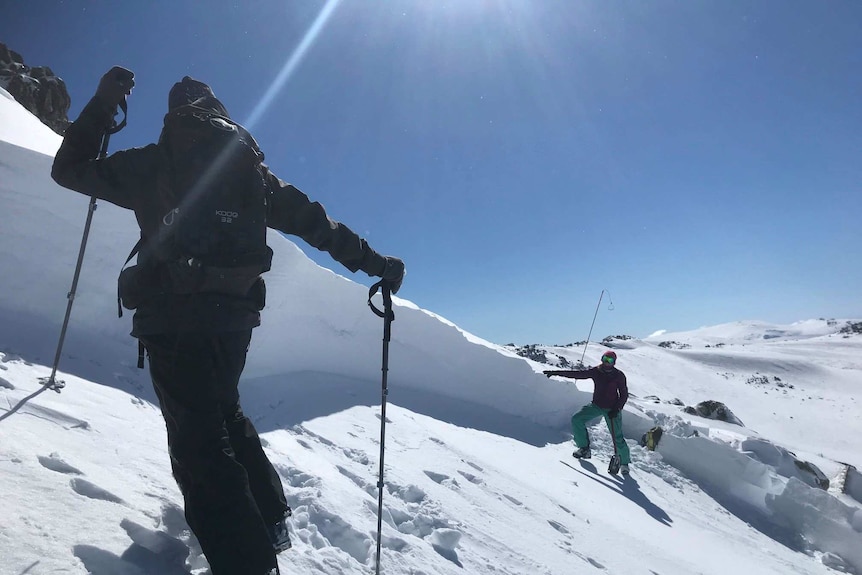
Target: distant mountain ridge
740	333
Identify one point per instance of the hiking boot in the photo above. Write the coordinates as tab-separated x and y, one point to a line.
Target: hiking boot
624	469
279	535
582	453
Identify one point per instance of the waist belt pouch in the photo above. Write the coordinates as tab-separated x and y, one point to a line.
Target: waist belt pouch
184	277
233	281
194	276
132	290
257	294
230	281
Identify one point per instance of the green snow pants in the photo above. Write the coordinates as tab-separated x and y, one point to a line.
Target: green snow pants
582	437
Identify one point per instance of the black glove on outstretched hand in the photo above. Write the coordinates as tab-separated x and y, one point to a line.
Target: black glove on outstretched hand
550	373
115	85
393	272
612	414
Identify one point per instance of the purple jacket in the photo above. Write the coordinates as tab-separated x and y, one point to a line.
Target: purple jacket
610	390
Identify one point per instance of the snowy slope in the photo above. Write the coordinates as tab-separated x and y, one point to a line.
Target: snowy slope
479	477
25	129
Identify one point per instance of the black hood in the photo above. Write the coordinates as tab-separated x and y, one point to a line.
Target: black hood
191	91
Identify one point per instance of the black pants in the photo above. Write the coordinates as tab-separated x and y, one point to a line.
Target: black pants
231	490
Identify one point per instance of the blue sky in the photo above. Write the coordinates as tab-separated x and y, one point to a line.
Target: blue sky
700	161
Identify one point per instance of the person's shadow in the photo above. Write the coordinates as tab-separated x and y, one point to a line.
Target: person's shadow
627	486
152	551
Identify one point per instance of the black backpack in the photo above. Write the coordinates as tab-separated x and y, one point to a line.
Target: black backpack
203	230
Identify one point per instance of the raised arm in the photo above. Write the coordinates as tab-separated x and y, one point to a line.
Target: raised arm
117	178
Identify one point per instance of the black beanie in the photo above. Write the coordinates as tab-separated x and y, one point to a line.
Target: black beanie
187	91
191	91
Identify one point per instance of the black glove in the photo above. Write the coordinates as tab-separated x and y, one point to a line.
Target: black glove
393	272
549	373
114	86
612	414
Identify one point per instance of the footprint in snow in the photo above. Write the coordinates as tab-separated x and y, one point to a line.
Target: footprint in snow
357	480
330	529
513	500
151	551
444	480
471	478
93	491
304	444
409	493
558	526
154	549
356	455
297	478
444	542
590	560
54	463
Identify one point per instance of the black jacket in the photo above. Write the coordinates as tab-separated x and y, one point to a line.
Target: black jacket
125	178
610	390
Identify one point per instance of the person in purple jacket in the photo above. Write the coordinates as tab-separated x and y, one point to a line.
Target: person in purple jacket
609	396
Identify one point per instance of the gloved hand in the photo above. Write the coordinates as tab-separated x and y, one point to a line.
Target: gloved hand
393	272
549	373
115	85
612	414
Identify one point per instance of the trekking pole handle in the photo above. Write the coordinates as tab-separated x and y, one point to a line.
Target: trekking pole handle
386	288
116	127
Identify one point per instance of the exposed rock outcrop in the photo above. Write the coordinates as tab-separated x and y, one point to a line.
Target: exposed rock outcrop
37	89
714	410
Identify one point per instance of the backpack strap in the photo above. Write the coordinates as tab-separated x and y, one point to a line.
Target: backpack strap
135	250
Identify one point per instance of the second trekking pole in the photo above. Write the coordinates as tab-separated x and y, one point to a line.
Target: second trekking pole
595	315
388	317
51	382
614	466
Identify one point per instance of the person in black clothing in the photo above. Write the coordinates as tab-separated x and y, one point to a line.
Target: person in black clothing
197	342
609	396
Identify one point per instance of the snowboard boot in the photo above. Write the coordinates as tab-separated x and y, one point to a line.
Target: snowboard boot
624	469
278	534
582	453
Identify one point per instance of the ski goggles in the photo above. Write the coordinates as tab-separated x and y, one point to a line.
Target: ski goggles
608	359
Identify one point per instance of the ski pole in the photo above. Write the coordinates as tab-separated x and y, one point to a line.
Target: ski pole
614	437
594	323
388	317
614	466
52	382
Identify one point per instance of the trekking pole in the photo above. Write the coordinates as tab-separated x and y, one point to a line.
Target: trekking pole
614	466
51	382
594	322
388	317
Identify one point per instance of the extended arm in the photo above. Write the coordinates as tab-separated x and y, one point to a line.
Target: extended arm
571	374
292	212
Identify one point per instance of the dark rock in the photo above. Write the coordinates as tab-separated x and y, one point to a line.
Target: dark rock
38	89
715	410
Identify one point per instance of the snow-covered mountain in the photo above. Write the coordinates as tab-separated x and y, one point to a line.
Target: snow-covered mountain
479	477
